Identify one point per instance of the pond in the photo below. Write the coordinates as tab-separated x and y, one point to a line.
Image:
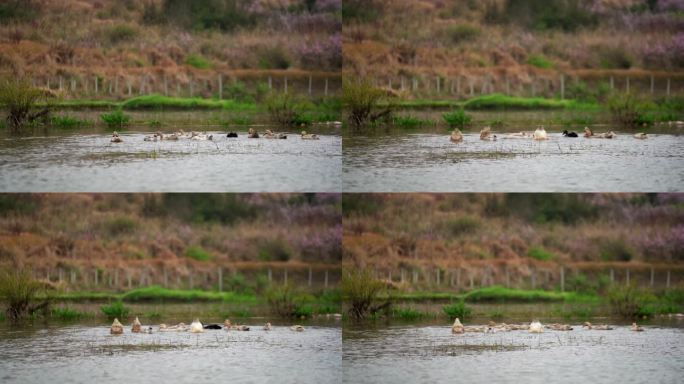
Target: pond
85	352
86	161
430	353
401	161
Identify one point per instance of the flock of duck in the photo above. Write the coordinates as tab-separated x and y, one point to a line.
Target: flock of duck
539	134
199	136
195	327
533	327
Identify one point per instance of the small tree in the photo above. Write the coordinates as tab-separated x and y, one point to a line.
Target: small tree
18	289
362	101
286	108
361	291
21	99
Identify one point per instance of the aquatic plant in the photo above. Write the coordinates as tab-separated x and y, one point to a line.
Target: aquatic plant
19	290
63	313
116	119
361	100
361	292
627	109
410	121
457	118
154	123
21	100
630	301
458	309
409	314
285	108
286	300
115	310
66	122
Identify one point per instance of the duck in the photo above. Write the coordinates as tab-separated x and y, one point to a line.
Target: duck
486	134
270	135
135	328
536	327
180	327
252	134
297	328
267	327
540	133
570	134
456	136
590	134
559	327
196	326
640	136
637	328
173	137
457	327
116	328
519	135
309	136
212	326
243	328
599	327
116	138
201	137
232	134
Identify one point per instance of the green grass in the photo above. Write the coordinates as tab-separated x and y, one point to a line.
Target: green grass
156	293
68	314
458	309
498	293
66	122
540	253
198	61
540	61
457	118
115	309
115	119
499	101
198	253
156	101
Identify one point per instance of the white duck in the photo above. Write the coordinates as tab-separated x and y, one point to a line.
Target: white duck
196	326
536	327
540	133
136	326
640	136
456	136
117	328
297	328
457	327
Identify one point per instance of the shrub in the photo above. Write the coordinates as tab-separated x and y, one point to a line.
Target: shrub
626	108
115	310
238	283
20	99
18	290
115	119
362	102
462	32
457	118
226	15
540	253
616	250
409	314
274	58
154	123
199	254
410	121
120	33
285	108
539	61
275	250
614	58
462	225
459	309
67	122
567	15
286	301
361	291
630	301
121	225
198	61
68	314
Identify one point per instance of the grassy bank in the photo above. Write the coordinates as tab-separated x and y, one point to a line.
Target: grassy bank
498	294
499	102
158	294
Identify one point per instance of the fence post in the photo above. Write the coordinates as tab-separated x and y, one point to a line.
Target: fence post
270	83
508	277
402	83
402	275
326	86
415	84
652	276
562	86
415	276
612	83
166	277
191	280
285	83
668	279
130	279
458	277
627	277
508	86
311	277
96	278
60	83
562	278
73	85
285	276
472	281
326	278
220	279
627	83
72	276
310	81
652	85
438	276
61	274
458	85
130	89
270	275
533	277
389	275
668	87
612	276
438	84
192	88
166	85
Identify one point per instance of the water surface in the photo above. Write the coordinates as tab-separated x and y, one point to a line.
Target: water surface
89	162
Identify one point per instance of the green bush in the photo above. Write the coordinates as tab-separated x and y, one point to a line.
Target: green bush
116	119
274	58
120	33
120	225
567	15
361	291
462	32
361	100
630	301
461	225
362	205
409	314
540	253
540	61
68	314
410	121
18	290
287	301
238	283
459	309
225	15
285	108
198	61
616	250
275	250
457	118
199	254
237	90
611	57
115	310
67	122
20	99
